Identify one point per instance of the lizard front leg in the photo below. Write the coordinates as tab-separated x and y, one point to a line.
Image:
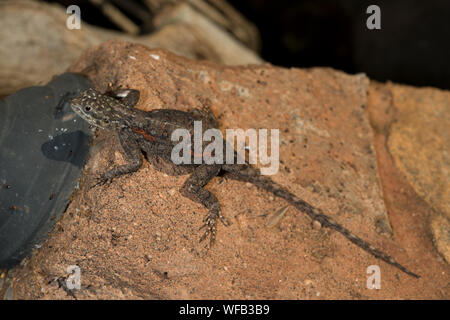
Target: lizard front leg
193	189
133	155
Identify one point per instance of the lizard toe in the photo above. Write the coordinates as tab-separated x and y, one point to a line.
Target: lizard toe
210	225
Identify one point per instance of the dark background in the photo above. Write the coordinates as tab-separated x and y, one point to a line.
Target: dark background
412	47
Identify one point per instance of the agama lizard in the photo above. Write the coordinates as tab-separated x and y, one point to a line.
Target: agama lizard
150	132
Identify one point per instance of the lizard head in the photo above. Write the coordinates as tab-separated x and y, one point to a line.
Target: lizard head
96	109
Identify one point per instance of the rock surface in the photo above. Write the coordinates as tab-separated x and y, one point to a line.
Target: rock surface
138	237
419	142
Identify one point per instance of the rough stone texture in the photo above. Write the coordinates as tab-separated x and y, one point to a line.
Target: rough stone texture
419	143
401	196
138	237
441	235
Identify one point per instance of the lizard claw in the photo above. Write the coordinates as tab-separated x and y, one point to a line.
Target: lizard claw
210	223
101	181
224	220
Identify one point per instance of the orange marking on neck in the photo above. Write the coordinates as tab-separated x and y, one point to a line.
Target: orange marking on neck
143	133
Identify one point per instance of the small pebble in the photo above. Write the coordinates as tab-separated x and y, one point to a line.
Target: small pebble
317	225
308	282
154	56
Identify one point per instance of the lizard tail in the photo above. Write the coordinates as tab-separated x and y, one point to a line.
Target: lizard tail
252	175
326	221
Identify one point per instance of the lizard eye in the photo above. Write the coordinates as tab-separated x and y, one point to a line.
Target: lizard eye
87	108
106	120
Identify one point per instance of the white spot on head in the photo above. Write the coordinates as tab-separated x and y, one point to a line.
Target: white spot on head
154	56
132	57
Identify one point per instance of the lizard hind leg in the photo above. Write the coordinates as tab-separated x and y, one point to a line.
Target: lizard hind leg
193	189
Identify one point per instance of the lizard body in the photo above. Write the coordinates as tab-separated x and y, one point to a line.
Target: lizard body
150	132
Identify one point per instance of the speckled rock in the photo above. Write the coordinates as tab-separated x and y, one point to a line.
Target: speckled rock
137	238
419	141
441	233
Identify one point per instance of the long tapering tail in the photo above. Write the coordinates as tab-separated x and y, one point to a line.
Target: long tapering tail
251	174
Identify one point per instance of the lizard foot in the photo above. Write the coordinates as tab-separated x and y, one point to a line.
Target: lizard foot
99	181
210	223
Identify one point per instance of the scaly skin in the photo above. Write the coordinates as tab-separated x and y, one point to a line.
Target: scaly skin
150	132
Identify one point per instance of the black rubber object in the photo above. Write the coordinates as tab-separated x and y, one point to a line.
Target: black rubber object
43	146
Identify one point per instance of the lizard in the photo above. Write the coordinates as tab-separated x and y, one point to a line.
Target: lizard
149	132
